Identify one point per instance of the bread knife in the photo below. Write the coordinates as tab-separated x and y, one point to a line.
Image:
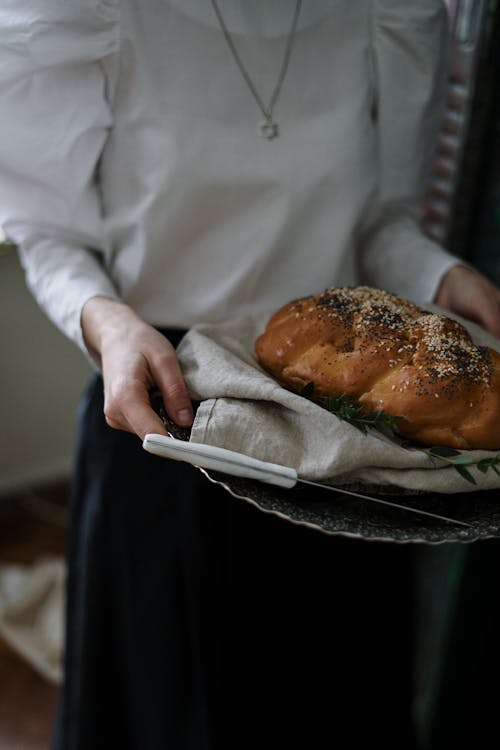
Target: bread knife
239	465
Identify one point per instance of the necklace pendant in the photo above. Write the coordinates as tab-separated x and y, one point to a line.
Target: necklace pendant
269	129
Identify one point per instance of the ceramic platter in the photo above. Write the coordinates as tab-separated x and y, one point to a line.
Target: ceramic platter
338	514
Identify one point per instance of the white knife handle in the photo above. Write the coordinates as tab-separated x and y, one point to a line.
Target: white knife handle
220	459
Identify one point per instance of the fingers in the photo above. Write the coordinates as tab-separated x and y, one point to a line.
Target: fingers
469	293
168	378
133	364
489	316
127	404
135	358
127	407
483	305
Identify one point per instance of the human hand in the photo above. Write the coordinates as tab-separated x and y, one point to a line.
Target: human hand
134	359
470	294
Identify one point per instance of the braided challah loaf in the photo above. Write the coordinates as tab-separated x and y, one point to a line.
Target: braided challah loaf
390	355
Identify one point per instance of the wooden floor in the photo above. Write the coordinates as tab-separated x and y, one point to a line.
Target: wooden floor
30	527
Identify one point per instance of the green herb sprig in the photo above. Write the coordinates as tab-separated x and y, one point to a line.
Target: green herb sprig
352	411
460	461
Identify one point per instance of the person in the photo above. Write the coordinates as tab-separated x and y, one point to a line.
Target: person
172	162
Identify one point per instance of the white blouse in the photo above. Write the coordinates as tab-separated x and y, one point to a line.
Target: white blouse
131	163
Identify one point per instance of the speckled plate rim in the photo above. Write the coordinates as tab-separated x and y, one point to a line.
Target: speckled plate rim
450	538
395	534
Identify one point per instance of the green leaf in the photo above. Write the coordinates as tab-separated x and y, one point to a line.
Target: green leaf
465	473
361	427
485	464
462	460
308	390
442	451
386	429
352	411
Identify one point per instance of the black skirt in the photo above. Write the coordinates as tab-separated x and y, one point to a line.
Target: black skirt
197	622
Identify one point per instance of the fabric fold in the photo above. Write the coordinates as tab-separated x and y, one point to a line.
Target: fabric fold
31	613
246	410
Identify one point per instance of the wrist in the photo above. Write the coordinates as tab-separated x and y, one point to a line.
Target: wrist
104	319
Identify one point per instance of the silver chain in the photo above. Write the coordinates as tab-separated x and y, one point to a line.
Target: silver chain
268	127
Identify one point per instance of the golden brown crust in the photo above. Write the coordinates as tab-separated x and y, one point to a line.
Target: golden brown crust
391	355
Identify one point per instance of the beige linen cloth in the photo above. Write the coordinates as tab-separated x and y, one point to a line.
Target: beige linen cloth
245	410
31	613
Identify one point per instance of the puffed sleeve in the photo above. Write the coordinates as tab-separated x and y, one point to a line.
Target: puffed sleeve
54	124
410	53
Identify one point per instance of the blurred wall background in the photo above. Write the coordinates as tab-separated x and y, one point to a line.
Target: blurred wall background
41	378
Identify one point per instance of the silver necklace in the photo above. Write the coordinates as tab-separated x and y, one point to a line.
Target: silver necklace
268	127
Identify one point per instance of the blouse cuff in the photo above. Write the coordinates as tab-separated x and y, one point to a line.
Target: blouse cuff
63	278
